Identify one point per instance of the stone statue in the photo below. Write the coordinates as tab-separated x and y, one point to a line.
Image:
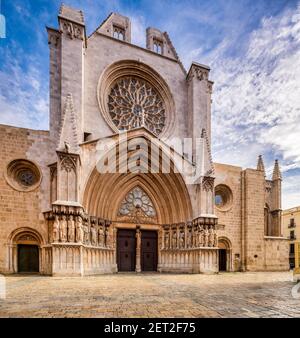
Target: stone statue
107	237
215	239
63	229
167	240
199	237
101	238
206	234
79	231
194	234
94	235
71	229
189	239
56	229
174	239
86	233
211	237
181	240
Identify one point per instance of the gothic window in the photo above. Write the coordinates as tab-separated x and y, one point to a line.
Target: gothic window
119	33
137	202
157	46
134	103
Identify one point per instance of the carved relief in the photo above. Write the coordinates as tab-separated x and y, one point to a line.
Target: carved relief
208	183
191	235
73	30
71	229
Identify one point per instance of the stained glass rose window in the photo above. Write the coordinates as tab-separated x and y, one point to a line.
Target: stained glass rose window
135	103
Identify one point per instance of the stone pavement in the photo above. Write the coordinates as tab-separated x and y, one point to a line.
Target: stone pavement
261	294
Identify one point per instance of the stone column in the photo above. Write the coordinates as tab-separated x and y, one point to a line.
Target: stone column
138	250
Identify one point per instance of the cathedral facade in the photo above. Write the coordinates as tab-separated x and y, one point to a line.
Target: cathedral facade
124	179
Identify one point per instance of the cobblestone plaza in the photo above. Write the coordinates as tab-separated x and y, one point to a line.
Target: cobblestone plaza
251	294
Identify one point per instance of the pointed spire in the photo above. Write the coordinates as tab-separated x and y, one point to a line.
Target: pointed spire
276	171
68	137
260	164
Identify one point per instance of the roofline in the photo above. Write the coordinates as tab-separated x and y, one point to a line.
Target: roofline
138	47
22	128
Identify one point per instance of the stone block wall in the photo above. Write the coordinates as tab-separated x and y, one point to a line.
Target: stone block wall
20	209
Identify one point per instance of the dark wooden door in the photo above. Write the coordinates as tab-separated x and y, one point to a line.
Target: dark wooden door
149	251
126	247
28	258
222	260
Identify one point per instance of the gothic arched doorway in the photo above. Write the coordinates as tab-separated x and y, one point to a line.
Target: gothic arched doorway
137	247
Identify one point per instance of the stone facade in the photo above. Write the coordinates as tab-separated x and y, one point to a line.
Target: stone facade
291	230
114	105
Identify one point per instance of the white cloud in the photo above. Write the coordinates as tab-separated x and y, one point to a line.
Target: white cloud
257	96
23	95
138	30
256	99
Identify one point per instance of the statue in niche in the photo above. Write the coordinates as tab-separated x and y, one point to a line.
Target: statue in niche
107	237
174	239
86	232
101	237
215	238
63	229
194	237
206	235
211	237
79	230
56	229
181	239
71	229
189	239
199	236
167	240
94	235
202	236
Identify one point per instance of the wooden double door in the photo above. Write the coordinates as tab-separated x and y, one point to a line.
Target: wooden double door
126	250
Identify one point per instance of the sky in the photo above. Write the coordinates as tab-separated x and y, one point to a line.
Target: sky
252	47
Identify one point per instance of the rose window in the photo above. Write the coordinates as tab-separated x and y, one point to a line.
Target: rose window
137	200
23	175
134	103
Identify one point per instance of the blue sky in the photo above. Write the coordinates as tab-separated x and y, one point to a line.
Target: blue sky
253	48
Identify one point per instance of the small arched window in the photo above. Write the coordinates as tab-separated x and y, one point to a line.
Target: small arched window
119	33
157	46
